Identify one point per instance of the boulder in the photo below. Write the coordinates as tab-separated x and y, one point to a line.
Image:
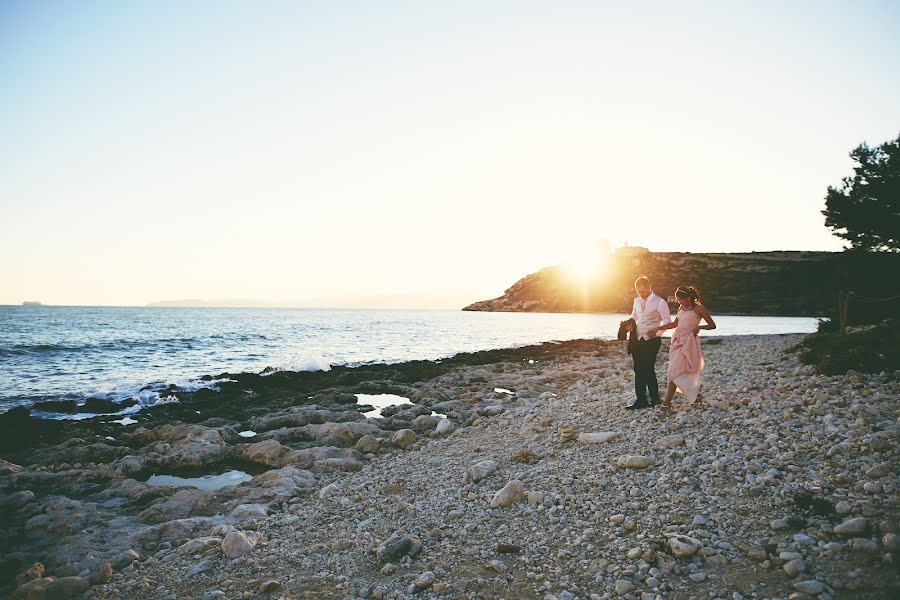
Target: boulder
238	543
852	527
511	493
403	438
398	545
368	444
270	453
445	427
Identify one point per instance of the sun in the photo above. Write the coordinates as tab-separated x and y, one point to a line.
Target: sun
587	264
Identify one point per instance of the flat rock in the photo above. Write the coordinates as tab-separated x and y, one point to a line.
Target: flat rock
671	441
852	527
482	470
597	437
684	546
633	461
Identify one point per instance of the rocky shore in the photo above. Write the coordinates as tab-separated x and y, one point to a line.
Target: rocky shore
513	474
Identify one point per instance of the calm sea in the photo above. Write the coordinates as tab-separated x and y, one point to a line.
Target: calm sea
51	352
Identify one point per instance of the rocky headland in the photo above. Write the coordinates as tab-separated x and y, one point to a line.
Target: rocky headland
750	283
513	474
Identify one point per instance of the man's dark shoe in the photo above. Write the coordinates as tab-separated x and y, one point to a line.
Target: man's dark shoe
636	406
653	402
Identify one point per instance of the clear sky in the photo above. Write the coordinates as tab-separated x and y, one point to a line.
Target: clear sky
431	152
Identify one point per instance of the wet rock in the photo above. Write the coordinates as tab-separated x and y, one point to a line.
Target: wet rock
511	493
403	438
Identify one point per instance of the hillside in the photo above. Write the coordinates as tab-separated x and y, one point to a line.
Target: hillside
757	283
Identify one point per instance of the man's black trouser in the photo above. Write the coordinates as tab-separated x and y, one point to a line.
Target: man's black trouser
644	355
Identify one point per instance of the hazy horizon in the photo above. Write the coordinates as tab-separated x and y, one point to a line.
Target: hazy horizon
425	152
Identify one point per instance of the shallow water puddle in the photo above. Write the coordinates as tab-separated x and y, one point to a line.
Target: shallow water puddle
207	482
125	421
247	433
380	402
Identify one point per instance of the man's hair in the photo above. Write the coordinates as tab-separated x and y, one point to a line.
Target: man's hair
642	280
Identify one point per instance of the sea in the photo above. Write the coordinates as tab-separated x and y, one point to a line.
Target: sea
75	353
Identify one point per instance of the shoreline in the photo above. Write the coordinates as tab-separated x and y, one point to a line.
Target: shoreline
78	502
174	392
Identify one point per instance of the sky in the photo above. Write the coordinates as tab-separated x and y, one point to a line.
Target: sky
417	153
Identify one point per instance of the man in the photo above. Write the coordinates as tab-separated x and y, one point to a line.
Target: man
649	312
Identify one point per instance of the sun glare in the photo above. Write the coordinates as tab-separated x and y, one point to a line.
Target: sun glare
587	264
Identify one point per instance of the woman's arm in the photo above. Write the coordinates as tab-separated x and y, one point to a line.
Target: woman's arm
671	325
704	314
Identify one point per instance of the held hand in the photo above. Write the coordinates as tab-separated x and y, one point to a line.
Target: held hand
697	330
653	331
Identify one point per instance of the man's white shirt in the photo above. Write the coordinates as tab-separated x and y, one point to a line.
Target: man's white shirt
650	313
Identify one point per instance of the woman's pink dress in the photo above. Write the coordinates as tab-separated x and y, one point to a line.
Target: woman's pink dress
685	358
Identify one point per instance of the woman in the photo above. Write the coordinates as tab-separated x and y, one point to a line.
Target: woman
685	358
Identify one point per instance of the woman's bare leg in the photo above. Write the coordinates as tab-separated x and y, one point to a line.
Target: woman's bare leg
667	403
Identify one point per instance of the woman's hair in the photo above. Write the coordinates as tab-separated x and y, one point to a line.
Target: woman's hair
688	291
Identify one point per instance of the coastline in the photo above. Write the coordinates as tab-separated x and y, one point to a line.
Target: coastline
74	493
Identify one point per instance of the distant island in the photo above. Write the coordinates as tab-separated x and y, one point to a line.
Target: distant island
777	283
32	303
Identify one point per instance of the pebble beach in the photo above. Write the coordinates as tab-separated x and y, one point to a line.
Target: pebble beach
511	474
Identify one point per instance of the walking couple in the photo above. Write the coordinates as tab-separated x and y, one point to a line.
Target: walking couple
649	316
